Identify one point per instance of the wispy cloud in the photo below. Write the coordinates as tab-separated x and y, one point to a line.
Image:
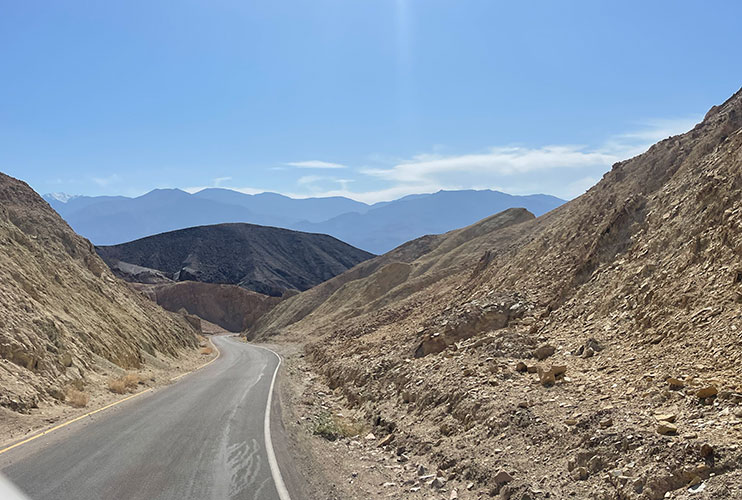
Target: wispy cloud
316	164
106	181
564	170
499	161
309	179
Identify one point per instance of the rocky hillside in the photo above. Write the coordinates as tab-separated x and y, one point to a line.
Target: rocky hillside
231	307
63	314
592	352
264	259
378	283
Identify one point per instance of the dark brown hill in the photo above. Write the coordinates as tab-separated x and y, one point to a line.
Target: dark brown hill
264	259
63	315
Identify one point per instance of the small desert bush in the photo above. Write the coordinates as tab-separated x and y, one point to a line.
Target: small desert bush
206	350
124	384
332	427
76	398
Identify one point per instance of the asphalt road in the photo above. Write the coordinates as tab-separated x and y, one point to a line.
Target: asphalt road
200	438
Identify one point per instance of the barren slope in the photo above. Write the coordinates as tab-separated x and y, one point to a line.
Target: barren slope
634	289
384	280
62	313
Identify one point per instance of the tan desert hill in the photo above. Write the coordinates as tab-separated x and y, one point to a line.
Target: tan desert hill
64	318
593	352
383	280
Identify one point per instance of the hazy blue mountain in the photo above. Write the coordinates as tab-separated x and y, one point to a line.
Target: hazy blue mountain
308	209
75	203
110	220
388	226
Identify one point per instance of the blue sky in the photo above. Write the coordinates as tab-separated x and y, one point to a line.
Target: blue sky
371	99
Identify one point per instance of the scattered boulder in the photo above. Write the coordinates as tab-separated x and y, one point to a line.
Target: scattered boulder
549	377
666	417
502	477
65	359
675	383
589	349
430	344
544	352
707	392
580	474
559	370
546	377
437	483
666	429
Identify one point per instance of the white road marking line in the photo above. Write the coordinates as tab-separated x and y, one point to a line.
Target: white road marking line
283	493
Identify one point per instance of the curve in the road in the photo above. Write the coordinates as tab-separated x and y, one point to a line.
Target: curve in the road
195	440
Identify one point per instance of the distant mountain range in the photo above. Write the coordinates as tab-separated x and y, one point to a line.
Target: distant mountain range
377	228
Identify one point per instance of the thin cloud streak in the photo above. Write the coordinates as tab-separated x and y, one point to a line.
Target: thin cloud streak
316	164
562	170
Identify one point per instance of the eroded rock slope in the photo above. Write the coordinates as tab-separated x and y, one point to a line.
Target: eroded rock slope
593	352
62	312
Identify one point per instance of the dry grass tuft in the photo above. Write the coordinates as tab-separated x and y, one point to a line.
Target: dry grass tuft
122	385
332	427
117	385
76	398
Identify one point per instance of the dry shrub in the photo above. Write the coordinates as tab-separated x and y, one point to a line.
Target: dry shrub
124	384
332	427
206	350
76	398
117	385
131	381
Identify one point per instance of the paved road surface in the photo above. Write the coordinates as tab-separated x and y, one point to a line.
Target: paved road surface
201	438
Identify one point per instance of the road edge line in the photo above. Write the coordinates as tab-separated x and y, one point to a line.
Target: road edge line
90	413
283	493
